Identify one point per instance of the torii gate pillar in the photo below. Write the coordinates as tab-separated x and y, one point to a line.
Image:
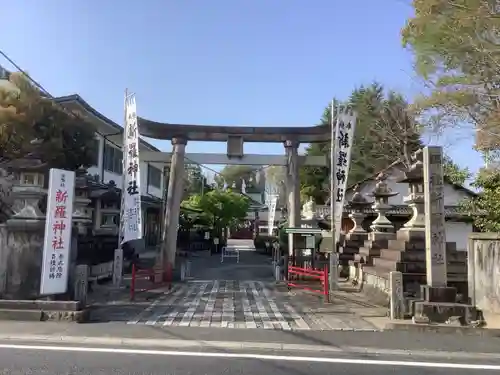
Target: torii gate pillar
173	203
292	189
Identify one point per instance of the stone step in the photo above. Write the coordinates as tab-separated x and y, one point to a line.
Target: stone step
419	256
378	244
349	250
416	267
363	259
415	245
355	238
367	251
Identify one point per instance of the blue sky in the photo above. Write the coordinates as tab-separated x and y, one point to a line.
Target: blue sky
259	62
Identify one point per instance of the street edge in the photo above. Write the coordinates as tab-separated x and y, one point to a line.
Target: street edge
234	346
439	328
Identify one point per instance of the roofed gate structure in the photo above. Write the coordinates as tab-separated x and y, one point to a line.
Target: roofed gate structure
235	137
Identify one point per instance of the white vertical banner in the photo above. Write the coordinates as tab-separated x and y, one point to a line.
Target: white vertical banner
271	213
131	217
344	137
57	240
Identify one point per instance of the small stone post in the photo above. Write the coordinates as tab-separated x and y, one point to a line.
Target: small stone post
397	297
118	267
81	283
334	270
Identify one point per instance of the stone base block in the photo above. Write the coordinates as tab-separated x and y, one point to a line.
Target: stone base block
438	294
24	310
356	237
443	312
411	234
381	236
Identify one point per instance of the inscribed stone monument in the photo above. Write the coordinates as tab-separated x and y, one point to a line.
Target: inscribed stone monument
435	238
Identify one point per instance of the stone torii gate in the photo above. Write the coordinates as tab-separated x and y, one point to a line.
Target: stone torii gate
235	137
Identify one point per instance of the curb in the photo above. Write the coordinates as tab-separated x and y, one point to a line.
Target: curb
235	345
444	329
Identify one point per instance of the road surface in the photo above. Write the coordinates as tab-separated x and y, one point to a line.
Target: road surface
20	358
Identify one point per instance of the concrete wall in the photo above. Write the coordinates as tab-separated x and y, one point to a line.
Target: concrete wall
484	271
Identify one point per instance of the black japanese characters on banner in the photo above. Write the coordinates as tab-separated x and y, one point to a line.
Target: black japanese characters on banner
342	143
130	217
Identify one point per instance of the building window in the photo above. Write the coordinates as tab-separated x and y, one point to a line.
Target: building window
154	177
113	159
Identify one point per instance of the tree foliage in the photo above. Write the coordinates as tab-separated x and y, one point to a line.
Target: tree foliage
454	173
65	140
222	208
194	181
385	132
456	44
486	206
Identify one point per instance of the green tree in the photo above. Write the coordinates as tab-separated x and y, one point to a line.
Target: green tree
456	44
221	208
485	208
454	172
65	140
194	181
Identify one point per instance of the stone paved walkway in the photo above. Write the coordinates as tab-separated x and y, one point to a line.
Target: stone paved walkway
244	304
237	295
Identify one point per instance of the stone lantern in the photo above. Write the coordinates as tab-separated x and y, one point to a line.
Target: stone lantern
381	227
358	204
414	177
28	190
24	230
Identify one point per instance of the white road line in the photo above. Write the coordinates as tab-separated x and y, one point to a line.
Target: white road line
247	309
231	306
277	313
226	311
209	307
301	323
264	316
173	314
188	315
148	309
284	358
169	301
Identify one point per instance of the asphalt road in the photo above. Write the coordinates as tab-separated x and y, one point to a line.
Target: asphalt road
30	359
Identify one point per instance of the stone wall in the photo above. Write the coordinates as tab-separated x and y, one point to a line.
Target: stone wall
484	271
20	261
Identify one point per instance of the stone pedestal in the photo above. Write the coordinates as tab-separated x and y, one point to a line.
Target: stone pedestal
357	218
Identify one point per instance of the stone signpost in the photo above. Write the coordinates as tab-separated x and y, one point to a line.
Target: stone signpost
435	237
397	298
118	267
